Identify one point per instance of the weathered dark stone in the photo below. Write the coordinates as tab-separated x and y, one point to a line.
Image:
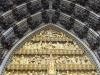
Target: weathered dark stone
94	5
81	31
93	21
21	28
81	13
45	16
34	7
20	12
6	4
56	4
94	42
67	7
45	4
68	24
8	38
55	17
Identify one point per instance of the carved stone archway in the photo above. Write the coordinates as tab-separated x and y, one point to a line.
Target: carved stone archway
64	36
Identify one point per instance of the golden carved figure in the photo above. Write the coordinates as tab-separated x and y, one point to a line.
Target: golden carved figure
51	66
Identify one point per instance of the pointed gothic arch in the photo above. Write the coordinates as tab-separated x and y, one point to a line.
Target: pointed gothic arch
54	27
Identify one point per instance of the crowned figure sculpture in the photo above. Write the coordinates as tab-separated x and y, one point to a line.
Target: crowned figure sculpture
51	66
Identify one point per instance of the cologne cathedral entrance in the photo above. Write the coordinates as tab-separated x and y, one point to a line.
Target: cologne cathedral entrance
50	52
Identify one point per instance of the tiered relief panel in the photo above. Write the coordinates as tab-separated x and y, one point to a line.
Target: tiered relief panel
50	52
